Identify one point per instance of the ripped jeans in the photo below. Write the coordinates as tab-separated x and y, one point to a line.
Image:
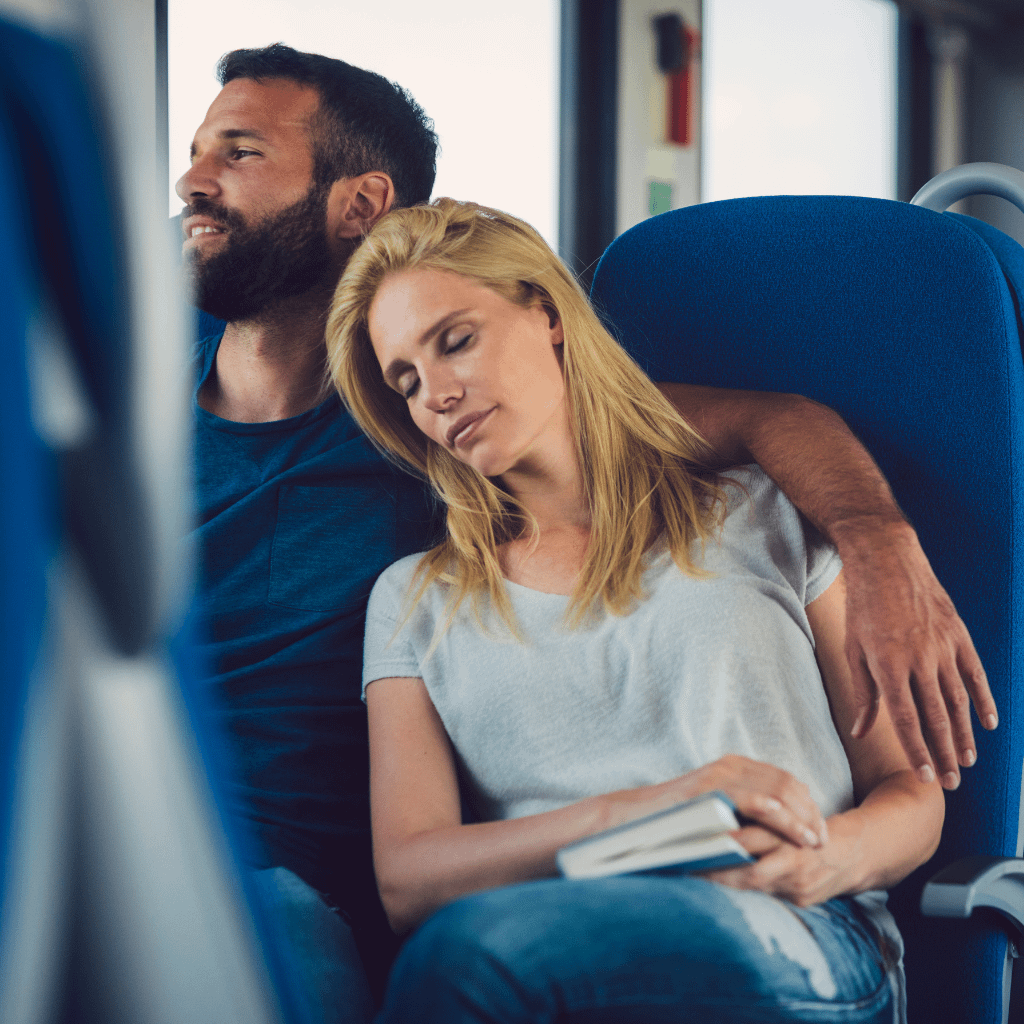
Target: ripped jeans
644	949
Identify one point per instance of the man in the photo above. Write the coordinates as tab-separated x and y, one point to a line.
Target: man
298	156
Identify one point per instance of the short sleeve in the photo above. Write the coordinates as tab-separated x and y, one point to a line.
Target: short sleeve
776	539
823	563
387	651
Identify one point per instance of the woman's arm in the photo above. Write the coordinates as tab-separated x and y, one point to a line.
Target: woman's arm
425	857
900	621
898	820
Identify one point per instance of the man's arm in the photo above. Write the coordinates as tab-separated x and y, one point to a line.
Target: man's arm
905	640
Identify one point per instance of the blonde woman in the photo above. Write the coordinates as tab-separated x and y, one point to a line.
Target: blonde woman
607	628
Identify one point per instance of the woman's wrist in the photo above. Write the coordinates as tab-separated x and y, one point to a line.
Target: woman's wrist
846	846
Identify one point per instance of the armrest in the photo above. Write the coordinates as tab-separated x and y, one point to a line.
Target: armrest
996	882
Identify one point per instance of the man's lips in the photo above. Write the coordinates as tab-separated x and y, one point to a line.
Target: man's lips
464	426
200	227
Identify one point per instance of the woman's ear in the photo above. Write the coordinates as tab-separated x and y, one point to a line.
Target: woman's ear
555	323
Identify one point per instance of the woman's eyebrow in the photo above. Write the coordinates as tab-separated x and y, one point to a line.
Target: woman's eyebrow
441	324
398	365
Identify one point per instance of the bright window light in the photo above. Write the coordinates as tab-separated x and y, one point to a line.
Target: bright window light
486	73
800	98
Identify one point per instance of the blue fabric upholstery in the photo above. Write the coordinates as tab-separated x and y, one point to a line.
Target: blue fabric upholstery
26	521
1007	252
900	319
58	243
61	242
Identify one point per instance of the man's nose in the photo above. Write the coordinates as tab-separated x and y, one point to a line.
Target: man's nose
199	180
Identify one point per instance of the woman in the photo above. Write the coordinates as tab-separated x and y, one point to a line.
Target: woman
608	628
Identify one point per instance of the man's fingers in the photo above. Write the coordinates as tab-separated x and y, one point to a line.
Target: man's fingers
958	705
903	713
866	695
935	721
973	675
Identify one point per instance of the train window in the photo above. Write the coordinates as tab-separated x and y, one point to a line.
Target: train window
800	98
486	73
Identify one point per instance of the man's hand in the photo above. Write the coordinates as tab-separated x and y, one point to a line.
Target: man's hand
906	643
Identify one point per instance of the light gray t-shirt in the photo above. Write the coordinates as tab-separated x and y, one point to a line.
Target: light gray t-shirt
701	668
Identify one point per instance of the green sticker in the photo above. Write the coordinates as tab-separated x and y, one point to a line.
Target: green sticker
659	198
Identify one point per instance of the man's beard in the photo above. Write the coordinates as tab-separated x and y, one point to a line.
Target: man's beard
281	256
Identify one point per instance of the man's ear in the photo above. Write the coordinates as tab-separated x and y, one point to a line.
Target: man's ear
354	205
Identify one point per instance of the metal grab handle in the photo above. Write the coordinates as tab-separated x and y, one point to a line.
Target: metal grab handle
970	180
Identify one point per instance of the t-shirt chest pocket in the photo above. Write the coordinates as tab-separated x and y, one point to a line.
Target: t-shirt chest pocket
330	545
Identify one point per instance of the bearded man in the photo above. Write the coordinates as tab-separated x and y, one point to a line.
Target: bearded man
298	157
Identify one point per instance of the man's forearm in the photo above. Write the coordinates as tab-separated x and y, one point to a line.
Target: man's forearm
804	446
905	641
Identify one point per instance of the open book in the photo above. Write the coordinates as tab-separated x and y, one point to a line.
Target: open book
691	836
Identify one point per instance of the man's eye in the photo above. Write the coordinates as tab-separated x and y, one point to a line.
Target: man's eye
244	152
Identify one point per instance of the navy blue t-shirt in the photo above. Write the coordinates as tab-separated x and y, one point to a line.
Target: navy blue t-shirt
297	518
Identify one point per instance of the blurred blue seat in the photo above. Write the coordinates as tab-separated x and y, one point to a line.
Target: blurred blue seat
120	898
907	322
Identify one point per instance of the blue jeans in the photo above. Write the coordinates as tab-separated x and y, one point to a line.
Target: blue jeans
642	949
316	948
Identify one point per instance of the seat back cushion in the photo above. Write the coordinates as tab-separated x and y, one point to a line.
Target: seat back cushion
901	320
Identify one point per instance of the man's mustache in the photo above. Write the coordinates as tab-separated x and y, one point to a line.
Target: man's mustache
203	207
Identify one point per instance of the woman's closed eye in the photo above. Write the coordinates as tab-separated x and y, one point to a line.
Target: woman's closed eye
407	385
459	343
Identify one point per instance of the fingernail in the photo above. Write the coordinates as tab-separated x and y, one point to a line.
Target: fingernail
969	757
925	773
824	833
858	725
950	780
812	838
991	721
771	804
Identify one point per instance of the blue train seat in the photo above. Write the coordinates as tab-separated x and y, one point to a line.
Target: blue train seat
120	898
906	322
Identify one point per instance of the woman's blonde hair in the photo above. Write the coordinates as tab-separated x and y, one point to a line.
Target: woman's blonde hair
640	461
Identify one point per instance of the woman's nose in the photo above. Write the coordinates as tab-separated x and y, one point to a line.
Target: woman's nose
440	390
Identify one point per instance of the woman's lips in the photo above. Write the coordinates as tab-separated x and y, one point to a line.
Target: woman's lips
464	427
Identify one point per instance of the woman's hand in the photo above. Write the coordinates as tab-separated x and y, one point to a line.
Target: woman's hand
761	792
802	875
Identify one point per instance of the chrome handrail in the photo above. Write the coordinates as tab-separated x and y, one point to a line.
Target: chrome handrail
972	179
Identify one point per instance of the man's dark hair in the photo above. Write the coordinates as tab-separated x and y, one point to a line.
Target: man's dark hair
364	122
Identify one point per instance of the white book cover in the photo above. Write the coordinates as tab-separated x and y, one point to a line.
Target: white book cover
691	836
